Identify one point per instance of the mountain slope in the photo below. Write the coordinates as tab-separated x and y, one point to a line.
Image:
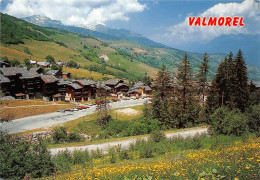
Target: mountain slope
121	58
99	31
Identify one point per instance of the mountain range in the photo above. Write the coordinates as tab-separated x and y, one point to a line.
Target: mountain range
98	31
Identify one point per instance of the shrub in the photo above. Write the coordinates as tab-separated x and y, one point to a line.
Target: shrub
228	122
146	151
124	155
157	136
73	137
98	153
60	135
63	161
112	155
253	116
19	158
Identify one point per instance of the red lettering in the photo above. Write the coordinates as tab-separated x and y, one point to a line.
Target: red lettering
228	21
203	22
212	21
221	21
235	21
197	22
191	20
241	22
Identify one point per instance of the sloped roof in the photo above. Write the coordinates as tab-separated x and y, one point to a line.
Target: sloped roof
102	85
3	79
134	91
75	86
12	71
49	79
120	84
86	82
63	82
113	82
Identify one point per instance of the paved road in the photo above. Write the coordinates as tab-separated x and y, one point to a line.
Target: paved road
125	143
50	119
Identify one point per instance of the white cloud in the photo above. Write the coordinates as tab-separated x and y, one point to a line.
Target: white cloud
183	33
76	12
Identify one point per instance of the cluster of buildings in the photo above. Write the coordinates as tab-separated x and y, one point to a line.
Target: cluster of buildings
55	85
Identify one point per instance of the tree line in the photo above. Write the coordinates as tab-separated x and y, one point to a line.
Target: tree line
186	99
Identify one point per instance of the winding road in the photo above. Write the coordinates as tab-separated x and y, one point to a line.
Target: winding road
51	119
126	143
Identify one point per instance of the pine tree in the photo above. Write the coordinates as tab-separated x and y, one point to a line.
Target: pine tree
202	77
160	103
203	84
241	92
184	92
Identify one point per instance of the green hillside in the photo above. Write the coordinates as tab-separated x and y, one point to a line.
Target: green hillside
123	58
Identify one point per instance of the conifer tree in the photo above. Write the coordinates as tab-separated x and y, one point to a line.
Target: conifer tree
184	92
240	86
202	77
163	84
203	84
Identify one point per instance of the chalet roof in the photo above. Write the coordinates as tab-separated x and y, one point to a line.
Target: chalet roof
49	79
142	86
29	75
102	85
113	82
120	85
75	86
86	82
35	69
3	79
134	91
63	82
12	71
52	72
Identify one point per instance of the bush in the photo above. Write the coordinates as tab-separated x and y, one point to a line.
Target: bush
63	161
228	122
123	155
19	158
146	151
157	136
60	135
253	116
98	153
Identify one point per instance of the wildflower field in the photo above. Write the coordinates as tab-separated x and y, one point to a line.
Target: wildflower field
238	161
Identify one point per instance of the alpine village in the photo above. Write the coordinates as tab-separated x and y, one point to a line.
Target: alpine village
76	105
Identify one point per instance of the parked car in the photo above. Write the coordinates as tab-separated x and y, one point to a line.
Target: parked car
71	110
61	110
83	107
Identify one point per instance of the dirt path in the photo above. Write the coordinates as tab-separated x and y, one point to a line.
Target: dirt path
126	143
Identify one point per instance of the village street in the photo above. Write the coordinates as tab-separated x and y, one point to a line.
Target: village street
126	143
51	119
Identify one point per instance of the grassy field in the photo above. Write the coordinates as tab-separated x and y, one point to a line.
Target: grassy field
236	159
33	107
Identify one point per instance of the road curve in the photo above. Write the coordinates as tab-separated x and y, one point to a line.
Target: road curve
51	119
126	143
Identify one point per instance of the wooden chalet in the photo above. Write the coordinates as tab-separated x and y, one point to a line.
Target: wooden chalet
4	85
50	87
88	88
121	87
74	93
112	83
143	88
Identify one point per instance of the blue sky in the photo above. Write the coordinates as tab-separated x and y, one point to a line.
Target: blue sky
164	21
